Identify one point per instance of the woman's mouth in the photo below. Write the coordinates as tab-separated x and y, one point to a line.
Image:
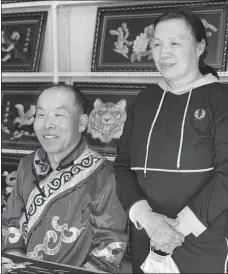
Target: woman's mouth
166	65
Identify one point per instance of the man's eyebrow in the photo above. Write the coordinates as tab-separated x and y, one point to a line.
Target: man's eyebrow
63	107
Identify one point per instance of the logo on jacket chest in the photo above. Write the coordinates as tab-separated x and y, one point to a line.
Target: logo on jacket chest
199	114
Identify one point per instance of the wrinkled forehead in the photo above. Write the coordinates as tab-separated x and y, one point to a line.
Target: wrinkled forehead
173	27
55	97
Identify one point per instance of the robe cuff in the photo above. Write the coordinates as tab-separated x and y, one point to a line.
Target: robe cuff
189	223
136	210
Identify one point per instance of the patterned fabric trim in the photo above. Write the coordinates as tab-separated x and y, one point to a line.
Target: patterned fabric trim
56	183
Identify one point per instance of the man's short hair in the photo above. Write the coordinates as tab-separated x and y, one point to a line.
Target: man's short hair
79	97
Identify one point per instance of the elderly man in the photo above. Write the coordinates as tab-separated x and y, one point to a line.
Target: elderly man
64	206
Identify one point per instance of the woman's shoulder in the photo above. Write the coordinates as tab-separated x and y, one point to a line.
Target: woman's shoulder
151	91
214	90
216	86
220	86
217	90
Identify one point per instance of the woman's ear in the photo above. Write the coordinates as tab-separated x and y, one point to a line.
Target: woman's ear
83	122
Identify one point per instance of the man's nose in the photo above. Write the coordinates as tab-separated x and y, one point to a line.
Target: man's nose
48	123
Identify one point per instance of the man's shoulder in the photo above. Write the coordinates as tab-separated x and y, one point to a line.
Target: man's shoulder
27	160
106	164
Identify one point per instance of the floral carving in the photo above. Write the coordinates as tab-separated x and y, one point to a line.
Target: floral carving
141	48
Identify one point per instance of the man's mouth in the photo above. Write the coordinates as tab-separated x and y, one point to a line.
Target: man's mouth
49	136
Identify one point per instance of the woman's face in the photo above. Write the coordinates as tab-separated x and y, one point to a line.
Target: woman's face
175	50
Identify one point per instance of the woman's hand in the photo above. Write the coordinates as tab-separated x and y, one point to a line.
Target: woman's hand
160	229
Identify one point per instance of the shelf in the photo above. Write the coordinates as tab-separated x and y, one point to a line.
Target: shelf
223	73
48	76
80	2
26	4
27	76
49	3
146	77
90	74
108	74
120	74
16	151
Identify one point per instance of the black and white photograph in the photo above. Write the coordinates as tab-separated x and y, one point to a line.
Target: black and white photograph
114	136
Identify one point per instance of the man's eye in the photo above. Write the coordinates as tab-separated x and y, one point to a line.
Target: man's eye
175	43
40	115
58	115
156	45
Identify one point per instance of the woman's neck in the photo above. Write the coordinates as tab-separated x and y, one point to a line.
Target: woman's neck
183	82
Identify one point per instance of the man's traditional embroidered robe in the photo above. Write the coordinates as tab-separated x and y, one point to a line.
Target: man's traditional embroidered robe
70	215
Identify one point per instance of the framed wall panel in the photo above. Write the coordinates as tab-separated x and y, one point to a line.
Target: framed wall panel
108	104
123	35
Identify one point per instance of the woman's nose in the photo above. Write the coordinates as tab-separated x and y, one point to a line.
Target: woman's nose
165	51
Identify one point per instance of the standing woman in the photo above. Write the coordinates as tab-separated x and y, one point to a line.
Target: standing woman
172	162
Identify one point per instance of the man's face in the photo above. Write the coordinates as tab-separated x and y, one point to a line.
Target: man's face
57	121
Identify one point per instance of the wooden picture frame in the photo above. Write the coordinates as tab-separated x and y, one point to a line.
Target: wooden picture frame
9	165
18	112
123	35
22	41
20	265
107	111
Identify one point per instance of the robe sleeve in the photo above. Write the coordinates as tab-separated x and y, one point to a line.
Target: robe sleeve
110	238
12	239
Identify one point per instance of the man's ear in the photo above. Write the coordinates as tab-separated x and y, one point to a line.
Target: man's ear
83	122
201	47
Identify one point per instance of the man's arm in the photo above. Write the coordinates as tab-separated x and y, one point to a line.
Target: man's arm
12	240
109	240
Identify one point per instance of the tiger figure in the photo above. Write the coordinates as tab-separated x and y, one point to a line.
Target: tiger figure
106	120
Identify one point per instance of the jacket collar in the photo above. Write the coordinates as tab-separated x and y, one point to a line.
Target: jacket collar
207	79
41	165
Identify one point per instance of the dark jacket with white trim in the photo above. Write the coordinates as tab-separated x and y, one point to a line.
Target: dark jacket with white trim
199	183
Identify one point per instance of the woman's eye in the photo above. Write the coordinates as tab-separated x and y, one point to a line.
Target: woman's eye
39	114
175	43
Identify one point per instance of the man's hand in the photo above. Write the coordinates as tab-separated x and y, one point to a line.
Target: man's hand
160	229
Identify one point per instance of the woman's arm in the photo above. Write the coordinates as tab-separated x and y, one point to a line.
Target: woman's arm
128	190
212	200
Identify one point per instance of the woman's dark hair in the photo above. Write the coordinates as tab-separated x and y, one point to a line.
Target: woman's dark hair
198	30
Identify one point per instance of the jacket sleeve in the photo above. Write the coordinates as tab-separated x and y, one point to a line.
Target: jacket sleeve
110	238
212	200
12	239
128	189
